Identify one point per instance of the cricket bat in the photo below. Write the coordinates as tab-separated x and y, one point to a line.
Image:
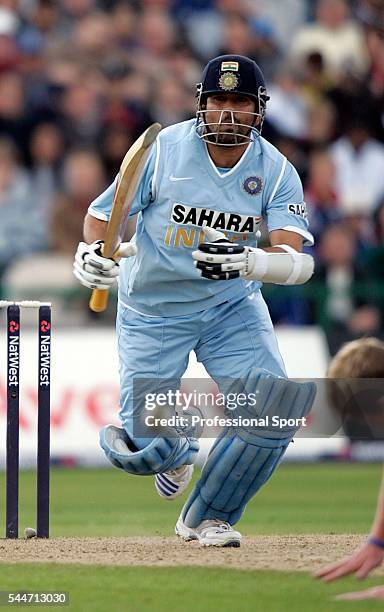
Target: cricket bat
127	183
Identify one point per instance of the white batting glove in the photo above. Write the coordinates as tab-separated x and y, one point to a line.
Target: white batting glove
95	271
220	259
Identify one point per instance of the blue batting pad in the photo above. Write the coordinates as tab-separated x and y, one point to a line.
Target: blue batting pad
242	460
160	455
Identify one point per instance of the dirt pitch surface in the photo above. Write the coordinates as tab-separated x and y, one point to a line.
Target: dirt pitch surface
291	552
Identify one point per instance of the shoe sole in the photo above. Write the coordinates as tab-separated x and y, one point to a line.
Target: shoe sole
188	537
229	544
232	544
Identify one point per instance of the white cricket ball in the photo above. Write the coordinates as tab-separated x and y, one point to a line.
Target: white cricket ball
30	532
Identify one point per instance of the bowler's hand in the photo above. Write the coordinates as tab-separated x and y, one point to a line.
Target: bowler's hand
95	271
360	563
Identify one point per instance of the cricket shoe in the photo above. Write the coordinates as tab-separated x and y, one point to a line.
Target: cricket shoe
211	532
173	483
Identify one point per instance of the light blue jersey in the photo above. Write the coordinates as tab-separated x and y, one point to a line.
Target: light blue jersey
181	192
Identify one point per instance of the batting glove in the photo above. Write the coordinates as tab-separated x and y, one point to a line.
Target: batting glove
220	259
95	271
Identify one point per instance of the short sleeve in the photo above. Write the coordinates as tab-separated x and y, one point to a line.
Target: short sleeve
286	208
101	207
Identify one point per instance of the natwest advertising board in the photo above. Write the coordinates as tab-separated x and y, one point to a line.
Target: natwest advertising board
85	388
84	392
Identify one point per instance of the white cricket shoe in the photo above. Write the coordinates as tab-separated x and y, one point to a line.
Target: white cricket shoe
173	483
211	532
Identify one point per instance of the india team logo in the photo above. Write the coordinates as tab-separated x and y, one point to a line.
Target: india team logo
253	185
228	81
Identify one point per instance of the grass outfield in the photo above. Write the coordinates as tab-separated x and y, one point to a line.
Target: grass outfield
299	499
323	498
183	589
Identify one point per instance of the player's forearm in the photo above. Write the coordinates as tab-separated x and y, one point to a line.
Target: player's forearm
378	524
284	267
282	262
94	229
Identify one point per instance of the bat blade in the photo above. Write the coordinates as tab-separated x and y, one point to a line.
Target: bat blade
128	180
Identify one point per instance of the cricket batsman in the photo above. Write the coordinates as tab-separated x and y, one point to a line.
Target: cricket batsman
190	281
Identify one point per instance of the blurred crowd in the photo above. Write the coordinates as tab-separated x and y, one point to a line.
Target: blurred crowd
81	79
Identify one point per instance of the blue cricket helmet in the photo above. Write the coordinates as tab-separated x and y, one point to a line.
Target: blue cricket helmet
232	74
245	76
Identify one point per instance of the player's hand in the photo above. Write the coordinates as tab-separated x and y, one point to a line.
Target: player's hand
360	563
220	259
95	271
376	592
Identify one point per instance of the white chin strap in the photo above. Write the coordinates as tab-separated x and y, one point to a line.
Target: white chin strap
211	132
289	268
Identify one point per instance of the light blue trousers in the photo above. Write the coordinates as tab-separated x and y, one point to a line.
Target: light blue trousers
229	339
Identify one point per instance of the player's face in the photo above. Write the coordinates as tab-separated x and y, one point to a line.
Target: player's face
229	117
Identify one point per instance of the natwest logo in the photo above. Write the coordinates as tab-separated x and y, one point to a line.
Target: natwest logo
13	326
45	326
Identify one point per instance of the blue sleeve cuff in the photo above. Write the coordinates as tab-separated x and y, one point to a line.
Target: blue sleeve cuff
376	542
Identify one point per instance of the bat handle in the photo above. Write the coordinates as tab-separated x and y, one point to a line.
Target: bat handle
99	297
99	300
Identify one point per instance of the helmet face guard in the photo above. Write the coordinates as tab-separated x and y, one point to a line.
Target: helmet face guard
231	74
214	132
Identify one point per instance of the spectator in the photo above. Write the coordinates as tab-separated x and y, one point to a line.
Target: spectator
14	122
349	315
203	28
375	48
285	18
115	142
374	258
123	22
371	13
76	9
23	229
126	98
184	67
293	151
354	103
320	193
83	180
359	164
237	35
81	112
287	108
335	36
316	78
46	151
93	36
157	33
171	103
321	123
